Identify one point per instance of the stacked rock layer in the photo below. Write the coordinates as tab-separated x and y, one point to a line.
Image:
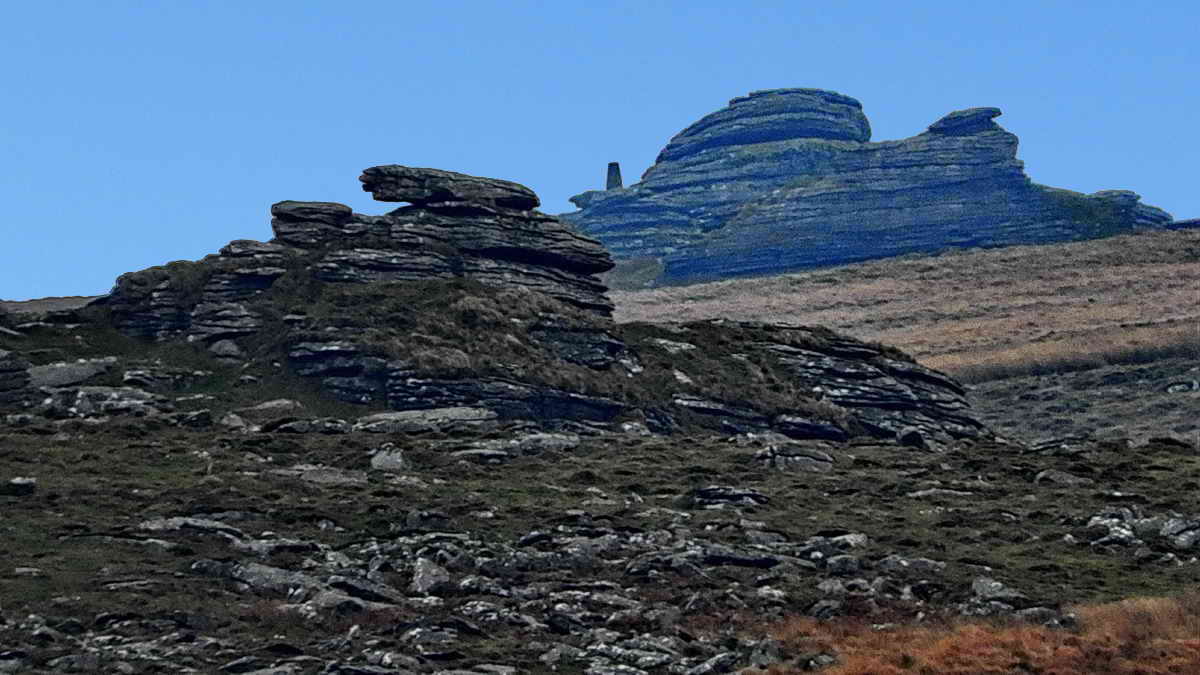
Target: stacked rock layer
14	378
467	304
787	179
457	226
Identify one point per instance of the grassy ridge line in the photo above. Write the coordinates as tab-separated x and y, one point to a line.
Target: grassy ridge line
994	302
1143	635
1084	351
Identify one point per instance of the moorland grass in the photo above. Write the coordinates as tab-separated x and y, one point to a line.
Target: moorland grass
1080	352
1143	635
980	314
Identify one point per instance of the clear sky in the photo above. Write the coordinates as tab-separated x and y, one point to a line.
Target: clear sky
136	133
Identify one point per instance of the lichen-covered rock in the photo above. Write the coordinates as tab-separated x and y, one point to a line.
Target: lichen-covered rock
66	374
66	402
436	419
788	179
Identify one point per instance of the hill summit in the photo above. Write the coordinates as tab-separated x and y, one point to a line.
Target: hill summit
786	179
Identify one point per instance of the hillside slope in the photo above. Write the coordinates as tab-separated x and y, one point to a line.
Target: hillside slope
1020	311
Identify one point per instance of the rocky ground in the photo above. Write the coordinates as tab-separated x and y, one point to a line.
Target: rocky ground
1124	402
136	547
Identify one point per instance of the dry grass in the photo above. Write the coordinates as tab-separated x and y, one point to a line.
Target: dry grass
1108	298
1062	353
1140	635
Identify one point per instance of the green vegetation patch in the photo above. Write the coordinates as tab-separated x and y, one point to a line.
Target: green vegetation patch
1095	217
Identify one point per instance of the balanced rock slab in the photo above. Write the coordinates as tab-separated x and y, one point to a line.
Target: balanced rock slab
395	183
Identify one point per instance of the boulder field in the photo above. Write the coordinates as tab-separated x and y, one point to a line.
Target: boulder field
786	179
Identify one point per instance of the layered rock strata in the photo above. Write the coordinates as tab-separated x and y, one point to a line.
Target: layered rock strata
14	378
468	299
786	179
457	227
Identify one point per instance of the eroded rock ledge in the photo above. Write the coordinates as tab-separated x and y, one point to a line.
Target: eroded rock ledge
786	179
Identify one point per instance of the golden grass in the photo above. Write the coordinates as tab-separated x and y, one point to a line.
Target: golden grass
1096	349
1146	636
1117	298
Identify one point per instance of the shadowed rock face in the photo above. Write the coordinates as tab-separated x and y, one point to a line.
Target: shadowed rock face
787	179
14	378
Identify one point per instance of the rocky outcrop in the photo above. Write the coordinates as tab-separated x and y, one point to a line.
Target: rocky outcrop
836	388
67	374
445	189
787	179
466	299
14	379
458	227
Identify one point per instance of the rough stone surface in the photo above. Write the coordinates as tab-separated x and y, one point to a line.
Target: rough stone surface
772	115
788	179
65	374
14	379
613	180
459	227
553	357
395	183
67	402
437	419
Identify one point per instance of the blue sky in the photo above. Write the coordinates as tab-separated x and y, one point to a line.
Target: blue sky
136	133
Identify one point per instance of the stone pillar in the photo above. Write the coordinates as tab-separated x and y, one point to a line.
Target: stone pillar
614	176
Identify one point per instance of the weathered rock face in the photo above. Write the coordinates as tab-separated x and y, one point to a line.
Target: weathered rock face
434	187
787	179
465	300
773	115
459	227
14	379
